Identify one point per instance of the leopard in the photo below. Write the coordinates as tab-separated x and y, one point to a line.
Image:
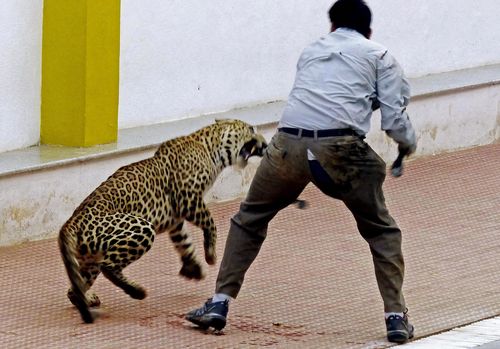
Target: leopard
117	223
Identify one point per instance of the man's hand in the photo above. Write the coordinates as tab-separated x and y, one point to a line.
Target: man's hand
404	150
407	149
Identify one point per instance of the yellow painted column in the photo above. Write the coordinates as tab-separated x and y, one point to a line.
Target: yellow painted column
80	72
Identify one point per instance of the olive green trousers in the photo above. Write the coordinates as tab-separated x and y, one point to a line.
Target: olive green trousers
345	168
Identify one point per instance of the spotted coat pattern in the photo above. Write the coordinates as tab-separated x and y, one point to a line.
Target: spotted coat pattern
117	223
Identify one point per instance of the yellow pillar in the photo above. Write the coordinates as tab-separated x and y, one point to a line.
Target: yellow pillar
80	72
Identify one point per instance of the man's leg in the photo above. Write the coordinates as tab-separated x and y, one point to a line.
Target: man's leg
384	238
280	178
357	174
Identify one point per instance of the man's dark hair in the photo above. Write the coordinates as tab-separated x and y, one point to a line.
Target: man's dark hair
353	14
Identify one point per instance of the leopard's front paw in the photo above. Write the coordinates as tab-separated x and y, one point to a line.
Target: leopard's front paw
137	292
192	271
93	300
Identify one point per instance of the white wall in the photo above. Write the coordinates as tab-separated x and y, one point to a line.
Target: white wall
431	36
20	72
185	58
189	57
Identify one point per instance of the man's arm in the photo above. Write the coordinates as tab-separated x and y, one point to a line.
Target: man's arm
393	94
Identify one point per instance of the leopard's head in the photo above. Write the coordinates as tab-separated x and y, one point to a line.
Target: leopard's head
240	142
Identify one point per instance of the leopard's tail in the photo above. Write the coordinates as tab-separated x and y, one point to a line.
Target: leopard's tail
68	248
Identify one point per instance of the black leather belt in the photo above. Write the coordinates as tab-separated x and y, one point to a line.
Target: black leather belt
336	132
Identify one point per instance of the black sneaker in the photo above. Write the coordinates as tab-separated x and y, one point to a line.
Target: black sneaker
399	330
210	315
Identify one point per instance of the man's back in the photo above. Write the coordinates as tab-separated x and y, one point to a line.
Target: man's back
336	83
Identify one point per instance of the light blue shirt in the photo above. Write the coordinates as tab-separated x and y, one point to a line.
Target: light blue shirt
338	79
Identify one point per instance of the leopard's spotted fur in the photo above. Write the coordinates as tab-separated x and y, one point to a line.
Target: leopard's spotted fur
116	224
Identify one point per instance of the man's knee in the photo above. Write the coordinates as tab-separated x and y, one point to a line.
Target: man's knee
242	225
386	244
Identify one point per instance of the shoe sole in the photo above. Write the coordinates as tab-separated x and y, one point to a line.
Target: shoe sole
218	322
399	336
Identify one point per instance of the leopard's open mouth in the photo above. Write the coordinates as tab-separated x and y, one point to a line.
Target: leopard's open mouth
254	147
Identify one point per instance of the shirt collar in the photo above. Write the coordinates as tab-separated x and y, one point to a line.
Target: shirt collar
347	31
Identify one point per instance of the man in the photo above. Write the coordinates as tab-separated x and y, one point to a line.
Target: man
340	79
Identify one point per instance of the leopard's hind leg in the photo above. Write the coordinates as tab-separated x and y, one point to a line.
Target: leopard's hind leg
89	274
114	274
191	267
130	240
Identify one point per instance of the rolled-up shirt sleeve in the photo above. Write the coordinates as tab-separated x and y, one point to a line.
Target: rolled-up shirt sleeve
393	94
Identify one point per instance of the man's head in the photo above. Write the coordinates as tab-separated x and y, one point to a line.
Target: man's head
353	14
